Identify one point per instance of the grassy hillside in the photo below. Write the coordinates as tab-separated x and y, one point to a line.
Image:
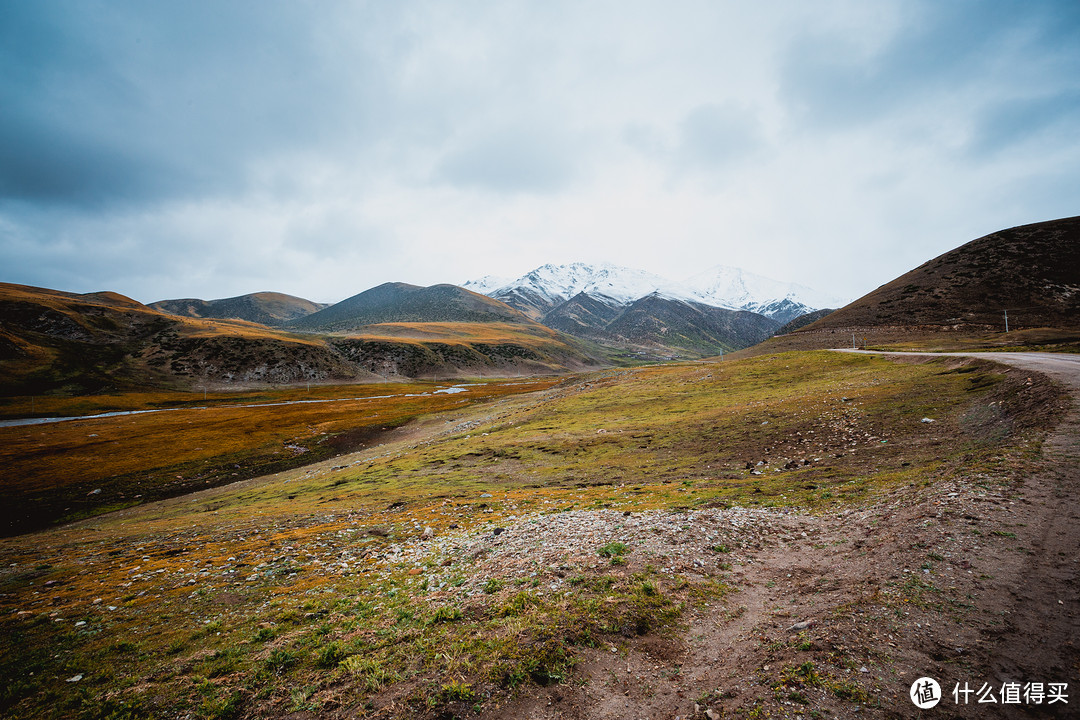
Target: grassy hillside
959	300
63	343
430	576
400	302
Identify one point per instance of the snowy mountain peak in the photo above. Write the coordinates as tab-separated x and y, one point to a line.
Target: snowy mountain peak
726	286
610	283
487	284
721	286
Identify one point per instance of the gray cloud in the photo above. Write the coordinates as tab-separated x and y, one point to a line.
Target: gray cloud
1003	125
717	136
208	148
939	54
128	102
509	161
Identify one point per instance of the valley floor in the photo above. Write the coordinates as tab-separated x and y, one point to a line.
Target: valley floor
599	550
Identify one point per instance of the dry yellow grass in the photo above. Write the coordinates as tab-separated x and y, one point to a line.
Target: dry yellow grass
65	469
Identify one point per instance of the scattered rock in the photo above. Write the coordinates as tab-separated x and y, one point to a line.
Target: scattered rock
800	626
75	678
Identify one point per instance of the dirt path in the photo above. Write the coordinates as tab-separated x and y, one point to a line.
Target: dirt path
971	583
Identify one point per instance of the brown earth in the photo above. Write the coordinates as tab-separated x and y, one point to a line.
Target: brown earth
968	582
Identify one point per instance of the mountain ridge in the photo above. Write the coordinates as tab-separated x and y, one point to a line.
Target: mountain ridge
265	308
539	291
395	302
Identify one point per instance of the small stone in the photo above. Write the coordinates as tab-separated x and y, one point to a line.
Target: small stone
415	571
485	494
864	669
927	420
75	678
800	625
712	714
498	531
428	533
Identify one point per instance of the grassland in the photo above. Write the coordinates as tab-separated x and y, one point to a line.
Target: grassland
374	584
61	471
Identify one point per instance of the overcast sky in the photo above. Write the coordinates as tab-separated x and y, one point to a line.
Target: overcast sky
209	149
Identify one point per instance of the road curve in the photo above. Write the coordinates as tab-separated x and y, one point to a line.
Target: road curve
1039	639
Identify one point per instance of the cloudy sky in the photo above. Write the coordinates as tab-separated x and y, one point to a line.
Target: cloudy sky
209	148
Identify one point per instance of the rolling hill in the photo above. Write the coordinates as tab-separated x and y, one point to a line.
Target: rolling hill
265	308
68	343
54	341
1028	274
397	329
396	302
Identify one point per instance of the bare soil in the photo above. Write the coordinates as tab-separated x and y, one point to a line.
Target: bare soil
971	582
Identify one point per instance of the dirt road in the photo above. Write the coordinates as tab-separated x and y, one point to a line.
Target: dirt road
971	582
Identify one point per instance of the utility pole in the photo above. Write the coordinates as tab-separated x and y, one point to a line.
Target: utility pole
1006	321
853	345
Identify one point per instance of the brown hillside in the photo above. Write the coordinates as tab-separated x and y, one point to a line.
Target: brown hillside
960	299
53	341
64	343
1032	271
266	308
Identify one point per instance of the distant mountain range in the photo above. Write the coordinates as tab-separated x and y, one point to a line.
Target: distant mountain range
621	310
719	310
554	319
540	291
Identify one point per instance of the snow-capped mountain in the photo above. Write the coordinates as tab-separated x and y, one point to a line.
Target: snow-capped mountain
731	287
487	284
538	292
608	283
